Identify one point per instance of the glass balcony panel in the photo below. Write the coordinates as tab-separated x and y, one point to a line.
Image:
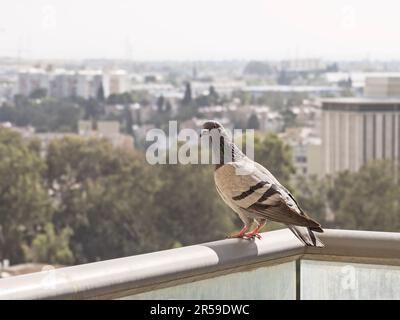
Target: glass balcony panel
271	282
348	281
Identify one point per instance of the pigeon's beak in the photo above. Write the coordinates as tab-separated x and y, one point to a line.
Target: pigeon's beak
203	132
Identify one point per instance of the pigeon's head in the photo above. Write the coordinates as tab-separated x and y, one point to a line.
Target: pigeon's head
209	125
222	144
212	127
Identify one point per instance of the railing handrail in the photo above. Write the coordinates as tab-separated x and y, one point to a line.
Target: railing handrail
129	275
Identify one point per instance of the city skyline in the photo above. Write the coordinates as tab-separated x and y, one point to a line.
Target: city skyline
183	30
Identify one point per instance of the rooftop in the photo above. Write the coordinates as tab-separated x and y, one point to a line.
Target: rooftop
291	88
362	100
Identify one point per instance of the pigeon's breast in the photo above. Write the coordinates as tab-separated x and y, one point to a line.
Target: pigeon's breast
220	184
222	176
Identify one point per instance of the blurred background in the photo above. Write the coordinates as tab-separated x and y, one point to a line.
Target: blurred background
81	83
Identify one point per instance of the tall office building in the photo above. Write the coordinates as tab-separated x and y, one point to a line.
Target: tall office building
357	130
388	86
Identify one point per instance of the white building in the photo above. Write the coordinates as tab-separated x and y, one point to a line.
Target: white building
118	82
63	83
306	150
7	90
317	91
223	88
106	129
303	65
270	121
88	83
308	114
31	80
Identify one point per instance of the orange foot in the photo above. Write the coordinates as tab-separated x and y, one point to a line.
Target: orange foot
240	234
255	233
252	235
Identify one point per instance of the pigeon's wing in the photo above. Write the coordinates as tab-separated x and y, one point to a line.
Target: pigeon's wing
241	183
252	187
284	210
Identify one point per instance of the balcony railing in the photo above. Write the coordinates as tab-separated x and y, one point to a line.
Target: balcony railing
353	265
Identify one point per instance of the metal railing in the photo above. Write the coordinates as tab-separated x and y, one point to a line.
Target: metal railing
170	268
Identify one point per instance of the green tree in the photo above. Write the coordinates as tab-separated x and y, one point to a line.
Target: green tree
38	94
120	98
128	120
105	196
100	94
366	200
93	109
371	201
312	195
121	214
160	103
253	122
24	202
209	99
213	96
48	114
191	211
258	68
50	247
8	113
271	152
187	97
289	118
168	107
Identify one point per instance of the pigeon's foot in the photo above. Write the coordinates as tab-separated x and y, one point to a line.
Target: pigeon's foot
235	236
252	236
239	235
255	233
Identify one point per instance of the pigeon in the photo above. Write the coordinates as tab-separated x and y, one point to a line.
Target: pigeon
251	191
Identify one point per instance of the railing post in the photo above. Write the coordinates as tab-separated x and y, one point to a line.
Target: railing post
298	279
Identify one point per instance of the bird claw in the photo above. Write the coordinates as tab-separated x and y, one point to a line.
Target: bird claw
235	236
249	236
252	236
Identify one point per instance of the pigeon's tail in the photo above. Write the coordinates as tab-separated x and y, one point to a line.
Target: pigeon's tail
307	235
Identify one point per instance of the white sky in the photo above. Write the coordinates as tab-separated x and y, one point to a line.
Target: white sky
201	29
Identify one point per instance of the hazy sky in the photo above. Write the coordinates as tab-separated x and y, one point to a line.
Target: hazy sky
201	29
